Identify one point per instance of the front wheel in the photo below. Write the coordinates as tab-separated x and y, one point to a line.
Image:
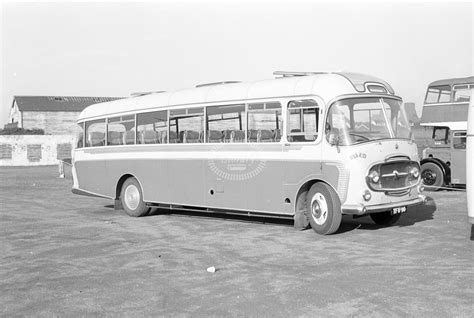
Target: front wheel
323	209
385	218
132	198
432	175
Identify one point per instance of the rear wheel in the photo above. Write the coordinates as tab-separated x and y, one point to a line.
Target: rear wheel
385	218
432	175
132	198
323	209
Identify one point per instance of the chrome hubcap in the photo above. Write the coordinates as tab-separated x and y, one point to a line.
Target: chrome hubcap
132	197
319	209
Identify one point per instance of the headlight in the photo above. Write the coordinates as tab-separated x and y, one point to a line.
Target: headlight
414	172
374	176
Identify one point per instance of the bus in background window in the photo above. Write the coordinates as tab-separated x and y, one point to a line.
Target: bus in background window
445	109
307	146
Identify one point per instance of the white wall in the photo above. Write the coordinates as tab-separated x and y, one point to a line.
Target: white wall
53	123
34	150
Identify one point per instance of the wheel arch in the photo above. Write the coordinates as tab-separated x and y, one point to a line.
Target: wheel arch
120	183
305	188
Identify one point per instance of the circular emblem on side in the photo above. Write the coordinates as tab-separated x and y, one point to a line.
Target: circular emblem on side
237	169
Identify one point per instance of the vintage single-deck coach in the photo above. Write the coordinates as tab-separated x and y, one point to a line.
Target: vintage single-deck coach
309	146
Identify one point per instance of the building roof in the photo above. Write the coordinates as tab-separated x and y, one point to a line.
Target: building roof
453	81
58	103
325	85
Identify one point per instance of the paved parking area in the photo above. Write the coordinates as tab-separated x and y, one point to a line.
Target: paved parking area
68	255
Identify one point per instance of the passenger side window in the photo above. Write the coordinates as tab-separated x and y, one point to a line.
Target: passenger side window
225	123
438	94
264	122
459	140
303	120
95	133
152	128
462	93
186	125
121	130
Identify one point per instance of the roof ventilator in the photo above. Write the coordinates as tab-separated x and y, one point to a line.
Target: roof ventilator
292	74
217	83
138	94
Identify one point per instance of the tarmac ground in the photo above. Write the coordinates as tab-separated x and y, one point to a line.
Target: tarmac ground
69	255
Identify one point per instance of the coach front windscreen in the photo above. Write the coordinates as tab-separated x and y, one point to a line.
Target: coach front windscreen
358	120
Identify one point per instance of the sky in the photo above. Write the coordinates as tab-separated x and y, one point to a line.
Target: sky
117	48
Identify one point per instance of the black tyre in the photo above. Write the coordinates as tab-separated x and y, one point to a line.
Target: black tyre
385	218
431	175
323	209
131	197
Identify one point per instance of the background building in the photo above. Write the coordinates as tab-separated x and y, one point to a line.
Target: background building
56	115
413	117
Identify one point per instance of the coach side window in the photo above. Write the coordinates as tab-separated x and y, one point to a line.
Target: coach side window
225	123
303	120
121	130
187	125
264	122
95	133
152	127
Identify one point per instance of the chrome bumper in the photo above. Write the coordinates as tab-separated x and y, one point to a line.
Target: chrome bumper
360	209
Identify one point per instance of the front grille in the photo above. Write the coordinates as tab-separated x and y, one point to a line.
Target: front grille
394	176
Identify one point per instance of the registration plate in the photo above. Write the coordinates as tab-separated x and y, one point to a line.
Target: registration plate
399	210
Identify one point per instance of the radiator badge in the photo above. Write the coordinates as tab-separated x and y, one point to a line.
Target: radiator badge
358	155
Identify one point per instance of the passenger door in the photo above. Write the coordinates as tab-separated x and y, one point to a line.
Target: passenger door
458	158
302	151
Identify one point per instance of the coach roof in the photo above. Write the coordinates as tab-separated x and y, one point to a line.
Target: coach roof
58	103
325	85
453	81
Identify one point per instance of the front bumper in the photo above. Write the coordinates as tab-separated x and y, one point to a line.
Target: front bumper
360	209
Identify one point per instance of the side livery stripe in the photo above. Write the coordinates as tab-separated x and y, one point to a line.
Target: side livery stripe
246	156
303	153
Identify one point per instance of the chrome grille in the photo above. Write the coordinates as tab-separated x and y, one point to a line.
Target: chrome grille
394	176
